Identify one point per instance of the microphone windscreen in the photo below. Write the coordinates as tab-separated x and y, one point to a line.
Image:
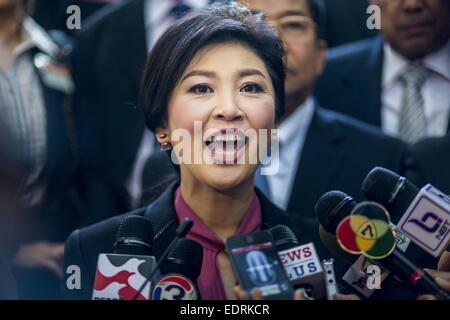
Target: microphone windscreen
283	237
332	207
134	236
390	190
185	258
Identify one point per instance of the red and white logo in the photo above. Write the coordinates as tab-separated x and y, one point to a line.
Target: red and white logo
119	282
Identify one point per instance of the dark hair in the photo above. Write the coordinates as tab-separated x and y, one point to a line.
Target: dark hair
176	48
318	14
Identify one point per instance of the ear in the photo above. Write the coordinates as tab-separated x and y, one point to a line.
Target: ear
162	135
321	57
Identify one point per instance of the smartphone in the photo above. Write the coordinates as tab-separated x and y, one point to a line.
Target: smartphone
256	264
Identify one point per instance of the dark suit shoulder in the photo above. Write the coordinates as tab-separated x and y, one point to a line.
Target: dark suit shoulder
358	130
351	50
427	162
82	249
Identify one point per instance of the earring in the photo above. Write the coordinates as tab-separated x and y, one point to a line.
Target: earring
165	146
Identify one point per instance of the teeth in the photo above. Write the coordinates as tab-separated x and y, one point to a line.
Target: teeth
226	137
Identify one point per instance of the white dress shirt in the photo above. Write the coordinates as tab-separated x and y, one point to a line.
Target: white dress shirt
157	19
435	91
292	134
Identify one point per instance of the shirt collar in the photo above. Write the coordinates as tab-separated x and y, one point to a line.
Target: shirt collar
439	61
297	123
394	63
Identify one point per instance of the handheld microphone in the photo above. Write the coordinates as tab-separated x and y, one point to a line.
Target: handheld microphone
180	232
119	275
181	271
425	213
333	207
300	262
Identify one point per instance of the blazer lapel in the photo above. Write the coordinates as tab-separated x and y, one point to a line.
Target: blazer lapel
364	83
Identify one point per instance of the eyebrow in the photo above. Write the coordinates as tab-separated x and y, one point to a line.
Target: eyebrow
292	13
250	72
204	73
211	74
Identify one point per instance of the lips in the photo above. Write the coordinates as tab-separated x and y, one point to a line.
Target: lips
226	145
416	27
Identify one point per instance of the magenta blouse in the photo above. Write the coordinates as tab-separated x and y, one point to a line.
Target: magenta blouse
209	283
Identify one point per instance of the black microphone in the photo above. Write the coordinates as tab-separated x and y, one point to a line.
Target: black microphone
181	271
134	236
120	274
391	190
423	214
180	232
301	262
333	206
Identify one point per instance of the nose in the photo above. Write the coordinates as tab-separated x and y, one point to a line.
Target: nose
228	110
413	6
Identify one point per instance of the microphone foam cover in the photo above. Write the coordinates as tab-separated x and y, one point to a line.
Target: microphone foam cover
283	237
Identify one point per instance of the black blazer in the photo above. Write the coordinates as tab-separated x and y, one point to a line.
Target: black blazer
83	246
107	71
352	80
427	162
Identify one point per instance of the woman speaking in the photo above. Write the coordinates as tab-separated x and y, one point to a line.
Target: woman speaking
212	86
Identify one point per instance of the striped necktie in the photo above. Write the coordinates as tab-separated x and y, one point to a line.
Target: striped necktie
412	122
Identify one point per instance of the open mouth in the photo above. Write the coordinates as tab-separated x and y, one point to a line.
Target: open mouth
226	145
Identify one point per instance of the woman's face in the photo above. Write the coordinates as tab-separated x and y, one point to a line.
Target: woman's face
227	91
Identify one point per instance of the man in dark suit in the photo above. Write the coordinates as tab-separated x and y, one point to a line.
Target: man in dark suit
35	89
428	162
113	46
400	80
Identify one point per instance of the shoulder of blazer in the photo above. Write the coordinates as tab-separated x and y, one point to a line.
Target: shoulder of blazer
355	52
82	248
352	128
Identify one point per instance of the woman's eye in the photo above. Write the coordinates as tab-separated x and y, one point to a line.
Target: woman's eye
201	89
251	88
295	26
